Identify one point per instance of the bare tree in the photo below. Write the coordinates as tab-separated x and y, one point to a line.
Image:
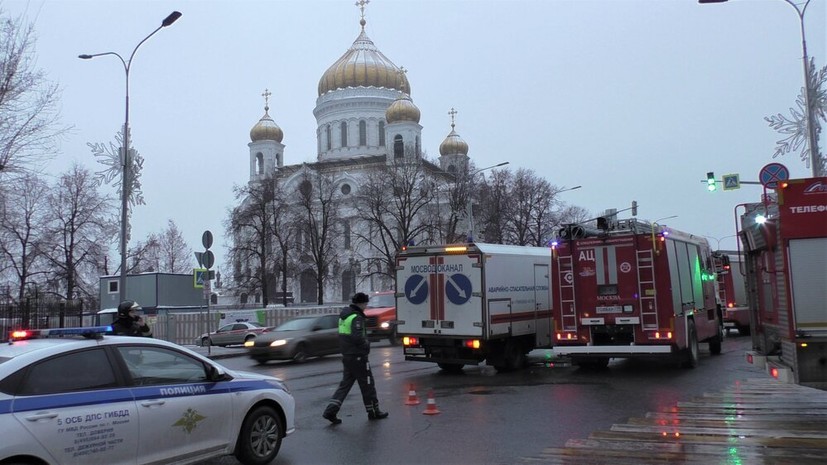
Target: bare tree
174	255
251	227
23	231
29	112
393	202
529	218
317	213
80	221
494	202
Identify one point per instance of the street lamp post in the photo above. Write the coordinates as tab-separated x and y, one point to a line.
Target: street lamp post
718	240
809	98
468	208
125	161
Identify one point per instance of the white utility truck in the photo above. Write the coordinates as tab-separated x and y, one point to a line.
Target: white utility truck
463	304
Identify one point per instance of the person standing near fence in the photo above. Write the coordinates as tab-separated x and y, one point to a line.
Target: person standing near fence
355	347
129	323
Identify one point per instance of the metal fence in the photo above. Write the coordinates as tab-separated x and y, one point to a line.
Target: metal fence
180	327
41	314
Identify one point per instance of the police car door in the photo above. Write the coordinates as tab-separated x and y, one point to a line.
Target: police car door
73	406
181	412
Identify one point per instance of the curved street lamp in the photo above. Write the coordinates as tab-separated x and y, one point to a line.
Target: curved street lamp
809	97
655	227
125	161
468	209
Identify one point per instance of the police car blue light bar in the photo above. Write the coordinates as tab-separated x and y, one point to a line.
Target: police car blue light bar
88	331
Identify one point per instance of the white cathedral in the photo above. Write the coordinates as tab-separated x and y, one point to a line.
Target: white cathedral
365	119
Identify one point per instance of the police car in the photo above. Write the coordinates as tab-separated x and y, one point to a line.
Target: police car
83	397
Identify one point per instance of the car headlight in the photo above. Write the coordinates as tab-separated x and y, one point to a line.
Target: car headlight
278	342
385	325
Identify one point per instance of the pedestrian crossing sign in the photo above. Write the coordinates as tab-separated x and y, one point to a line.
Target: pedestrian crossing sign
199	276
731	182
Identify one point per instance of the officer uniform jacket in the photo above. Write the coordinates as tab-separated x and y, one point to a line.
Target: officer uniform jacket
353	338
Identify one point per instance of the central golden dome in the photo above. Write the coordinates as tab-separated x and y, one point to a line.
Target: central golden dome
363	65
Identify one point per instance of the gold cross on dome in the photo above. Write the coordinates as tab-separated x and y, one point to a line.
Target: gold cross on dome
266	96
452	113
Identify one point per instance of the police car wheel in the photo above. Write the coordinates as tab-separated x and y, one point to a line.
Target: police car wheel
260	437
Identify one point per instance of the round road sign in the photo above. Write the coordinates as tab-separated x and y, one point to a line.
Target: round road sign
772	173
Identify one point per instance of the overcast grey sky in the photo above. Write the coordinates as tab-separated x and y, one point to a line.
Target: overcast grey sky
632	99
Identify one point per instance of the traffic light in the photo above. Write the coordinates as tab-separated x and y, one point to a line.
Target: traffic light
634	207
710	181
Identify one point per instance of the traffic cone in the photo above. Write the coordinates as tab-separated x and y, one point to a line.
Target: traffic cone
412	399
431	409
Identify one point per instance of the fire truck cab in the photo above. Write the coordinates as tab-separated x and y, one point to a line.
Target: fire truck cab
630	288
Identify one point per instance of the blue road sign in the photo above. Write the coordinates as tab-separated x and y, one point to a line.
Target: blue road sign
458	289
416	289
731	181
772	173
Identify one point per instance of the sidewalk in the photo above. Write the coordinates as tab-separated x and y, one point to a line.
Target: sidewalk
761	420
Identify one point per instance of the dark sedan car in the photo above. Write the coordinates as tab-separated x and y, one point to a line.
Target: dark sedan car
297	339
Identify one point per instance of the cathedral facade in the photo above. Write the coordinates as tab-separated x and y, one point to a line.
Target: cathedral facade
366	121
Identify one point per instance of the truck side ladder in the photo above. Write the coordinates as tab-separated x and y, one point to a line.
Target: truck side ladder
722	288
567	294
646	289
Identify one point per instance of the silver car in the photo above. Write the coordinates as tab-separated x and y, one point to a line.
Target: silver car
233	334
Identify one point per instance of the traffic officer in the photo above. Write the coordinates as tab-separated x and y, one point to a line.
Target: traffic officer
355	348
129	323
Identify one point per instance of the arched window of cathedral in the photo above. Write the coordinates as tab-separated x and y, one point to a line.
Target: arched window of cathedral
259	163
243	298
348	284
309	289
452	169
306	188
398	147
346	234
344	133
417	146
363	133
345	189
327	136
381	134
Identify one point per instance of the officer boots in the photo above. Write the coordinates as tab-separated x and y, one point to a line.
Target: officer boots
374	413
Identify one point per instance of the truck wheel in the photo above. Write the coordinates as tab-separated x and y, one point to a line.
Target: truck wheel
260	437
716	341
394	337
691	356
514	358
451	367
743	330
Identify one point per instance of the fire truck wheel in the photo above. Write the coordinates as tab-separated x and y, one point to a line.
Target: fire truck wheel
716	341
743	330
691	355
394	338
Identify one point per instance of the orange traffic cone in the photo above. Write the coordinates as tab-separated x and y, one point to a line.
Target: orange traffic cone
431	409
412	399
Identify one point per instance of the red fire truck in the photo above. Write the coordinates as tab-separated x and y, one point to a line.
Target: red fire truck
633	289
785	242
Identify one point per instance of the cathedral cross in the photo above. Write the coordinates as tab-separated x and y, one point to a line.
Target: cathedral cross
266	96
452	114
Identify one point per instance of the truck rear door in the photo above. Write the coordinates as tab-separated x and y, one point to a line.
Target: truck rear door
436	293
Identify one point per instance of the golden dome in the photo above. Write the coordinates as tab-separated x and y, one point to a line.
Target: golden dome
453	144
266	129
402	109
363	65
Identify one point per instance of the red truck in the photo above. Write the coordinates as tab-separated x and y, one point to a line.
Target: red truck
381	317
633	289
